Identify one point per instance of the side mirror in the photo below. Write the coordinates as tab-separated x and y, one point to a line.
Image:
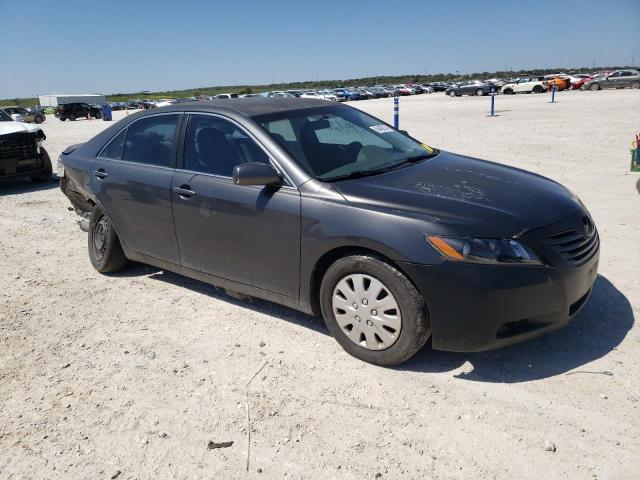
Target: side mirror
256	173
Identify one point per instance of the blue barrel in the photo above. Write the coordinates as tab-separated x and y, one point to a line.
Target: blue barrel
106	112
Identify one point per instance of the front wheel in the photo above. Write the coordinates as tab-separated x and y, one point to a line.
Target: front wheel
479	92
452	94
105	252
507	91
72	117
373	310
38	119
47	169
594	87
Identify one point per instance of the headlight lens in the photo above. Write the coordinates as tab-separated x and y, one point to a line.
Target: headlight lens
484	250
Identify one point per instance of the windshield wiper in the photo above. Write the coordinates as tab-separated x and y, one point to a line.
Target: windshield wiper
376	171
417	158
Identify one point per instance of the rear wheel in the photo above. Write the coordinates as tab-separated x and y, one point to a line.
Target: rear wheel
373	311
635	84
72	116
38	119
538	89
98	115
105	252
594	87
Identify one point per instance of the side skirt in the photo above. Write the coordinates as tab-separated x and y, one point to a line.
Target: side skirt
231	285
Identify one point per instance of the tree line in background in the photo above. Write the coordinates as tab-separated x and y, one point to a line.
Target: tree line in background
321	84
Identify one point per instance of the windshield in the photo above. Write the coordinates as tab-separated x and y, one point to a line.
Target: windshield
4	117
335	142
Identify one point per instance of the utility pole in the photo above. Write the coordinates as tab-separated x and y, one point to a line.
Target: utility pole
633	58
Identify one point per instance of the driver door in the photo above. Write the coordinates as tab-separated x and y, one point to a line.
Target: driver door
247	234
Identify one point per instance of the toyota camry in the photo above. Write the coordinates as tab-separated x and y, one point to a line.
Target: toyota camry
328	210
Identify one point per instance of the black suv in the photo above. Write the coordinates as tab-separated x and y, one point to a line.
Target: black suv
75	110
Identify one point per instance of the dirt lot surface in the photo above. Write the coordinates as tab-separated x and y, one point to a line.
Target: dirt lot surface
132	375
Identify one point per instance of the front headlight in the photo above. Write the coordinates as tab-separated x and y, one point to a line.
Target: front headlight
484	250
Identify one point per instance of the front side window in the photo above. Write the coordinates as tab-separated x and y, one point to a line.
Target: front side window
335	142
151	140
214	145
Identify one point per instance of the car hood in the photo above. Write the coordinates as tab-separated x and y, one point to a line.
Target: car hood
474	197
13	127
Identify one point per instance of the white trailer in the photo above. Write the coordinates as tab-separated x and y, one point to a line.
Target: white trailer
55	100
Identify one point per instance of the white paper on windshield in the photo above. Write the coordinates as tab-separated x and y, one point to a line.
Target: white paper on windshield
381	128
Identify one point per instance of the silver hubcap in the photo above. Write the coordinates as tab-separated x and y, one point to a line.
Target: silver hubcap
366	311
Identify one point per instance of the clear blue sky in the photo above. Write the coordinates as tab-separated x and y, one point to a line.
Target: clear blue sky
108	46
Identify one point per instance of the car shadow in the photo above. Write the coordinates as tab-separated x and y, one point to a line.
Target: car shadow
262	306
601	325
25	185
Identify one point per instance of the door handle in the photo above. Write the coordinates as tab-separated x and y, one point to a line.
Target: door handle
184	191
100	173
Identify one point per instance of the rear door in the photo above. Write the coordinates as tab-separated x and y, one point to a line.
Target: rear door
248	234
132	181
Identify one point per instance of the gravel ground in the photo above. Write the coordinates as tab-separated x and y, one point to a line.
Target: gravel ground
133	375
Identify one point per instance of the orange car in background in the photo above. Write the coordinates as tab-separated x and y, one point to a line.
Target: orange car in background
561	83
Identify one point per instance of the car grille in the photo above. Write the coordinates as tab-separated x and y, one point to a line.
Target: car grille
19	153
575	247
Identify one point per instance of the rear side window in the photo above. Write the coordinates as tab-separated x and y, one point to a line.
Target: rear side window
151	140
113	149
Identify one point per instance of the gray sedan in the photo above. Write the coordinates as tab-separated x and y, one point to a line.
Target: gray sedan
617	79
28	114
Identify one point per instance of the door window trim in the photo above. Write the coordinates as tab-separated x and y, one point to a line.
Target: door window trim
176	136
288	183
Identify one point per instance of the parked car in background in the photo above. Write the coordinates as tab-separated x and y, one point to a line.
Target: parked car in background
165	102
578	80
226	95
27	114
117	105
347	94
72	111
404	90
21	150
616	79
561	82
525	85
326	209
471	87
439	86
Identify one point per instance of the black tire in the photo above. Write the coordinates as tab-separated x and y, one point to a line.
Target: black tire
538	89
38	119
98	115
47	168
72	117
507	91
415	324
635	84
105	252
479	92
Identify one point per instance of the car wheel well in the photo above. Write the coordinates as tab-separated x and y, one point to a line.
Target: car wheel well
324	262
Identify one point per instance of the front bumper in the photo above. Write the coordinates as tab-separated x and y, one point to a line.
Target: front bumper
476	307
480	307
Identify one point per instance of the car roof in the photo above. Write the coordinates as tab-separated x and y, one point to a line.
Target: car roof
250	107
